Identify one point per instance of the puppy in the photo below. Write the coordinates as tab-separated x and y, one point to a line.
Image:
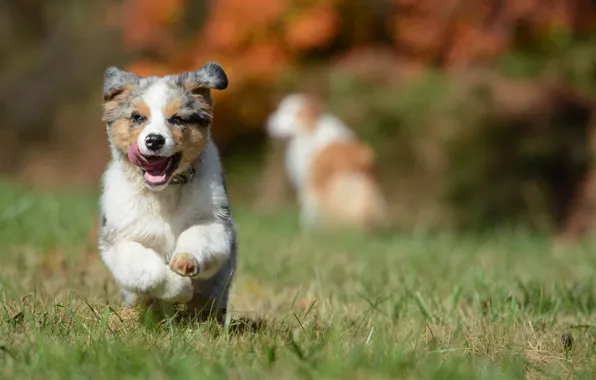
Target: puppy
331	171
167	234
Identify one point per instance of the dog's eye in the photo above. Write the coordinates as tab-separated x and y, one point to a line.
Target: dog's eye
176	120
137	118
203	122
200	120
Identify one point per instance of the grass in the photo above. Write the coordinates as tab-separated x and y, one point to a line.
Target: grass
307	306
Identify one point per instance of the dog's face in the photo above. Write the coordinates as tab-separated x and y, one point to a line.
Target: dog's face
296	114
160	124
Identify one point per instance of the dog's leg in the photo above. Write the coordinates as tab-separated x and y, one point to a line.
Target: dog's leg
130	299
203	249
141	271
309	211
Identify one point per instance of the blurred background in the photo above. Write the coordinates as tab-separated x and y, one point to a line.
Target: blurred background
481	112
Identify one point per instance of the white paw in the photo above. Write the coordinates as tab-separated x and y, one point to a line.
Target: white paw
130	299
175	288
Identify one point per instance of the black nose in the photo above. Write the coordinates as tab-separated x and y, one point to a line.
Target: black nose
154	142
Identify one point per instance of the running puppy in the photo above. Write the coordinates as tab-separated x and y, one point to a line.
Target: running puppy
166	232
331	170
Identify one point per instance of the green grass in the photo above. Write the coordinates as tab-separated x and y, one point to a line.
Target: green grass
303	306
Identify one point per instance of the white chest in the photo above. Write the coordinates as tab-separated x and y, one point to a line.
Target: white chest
141	221
153	220
298	156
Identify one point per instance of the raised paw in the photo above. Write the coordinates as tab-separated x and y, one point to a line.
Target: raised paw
184	264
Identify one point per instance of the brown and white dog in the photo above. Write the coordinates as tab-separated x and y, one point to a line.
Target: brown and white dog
330	169
166	232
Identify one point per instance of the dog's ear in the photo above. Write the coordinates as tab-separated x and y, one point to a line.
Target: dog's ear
115	82
210	76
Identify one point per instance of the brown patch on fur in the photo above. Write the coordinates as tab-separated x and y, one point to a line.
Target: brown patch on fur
122	131
343	181
124	134
141	107
190	139
338	157
113	102
173	107
309	113
116	92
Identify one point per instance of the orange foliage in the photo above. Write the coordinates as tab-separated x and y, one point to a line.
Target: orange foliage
233	23
146	68
147	23
257	40
459	33
314	28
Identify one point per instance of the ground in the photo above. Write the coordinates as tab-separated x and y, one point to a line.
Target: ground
505	305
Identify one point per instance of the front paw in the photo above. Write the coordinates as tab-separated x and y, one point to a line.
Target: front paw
176	289
185	264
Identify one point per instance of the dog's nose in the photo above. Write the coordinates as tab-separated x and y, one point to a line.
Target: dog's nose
154	142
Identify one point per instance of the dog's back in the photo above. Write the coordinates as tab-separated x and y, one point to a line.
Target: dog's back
342	178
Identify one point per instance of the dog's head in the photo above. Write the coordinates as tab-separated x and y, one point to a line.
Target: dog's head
296	114
160	125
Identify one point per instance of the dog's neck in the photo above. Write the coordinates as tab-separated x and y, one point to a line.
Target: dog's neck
185	176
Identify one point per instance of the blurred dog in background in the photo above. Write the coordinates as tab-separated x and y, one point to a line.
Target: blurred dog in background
330	169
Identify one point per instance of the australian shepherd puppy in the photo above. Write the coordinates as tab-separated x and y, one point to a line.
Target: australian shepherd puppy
330	169
166	230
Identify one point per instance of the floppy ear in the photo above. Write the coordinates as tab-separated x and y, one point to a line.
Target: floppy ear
115	82
210	76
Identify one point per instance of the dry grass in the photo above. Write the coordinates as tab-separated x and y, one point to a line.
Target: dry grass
303	306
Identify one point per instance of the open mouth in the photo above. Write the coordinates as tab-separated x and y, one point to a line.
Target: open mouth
157	170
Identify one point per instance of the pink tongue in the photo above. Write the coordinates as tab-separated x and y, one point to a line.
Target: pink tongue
155	167
134	155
